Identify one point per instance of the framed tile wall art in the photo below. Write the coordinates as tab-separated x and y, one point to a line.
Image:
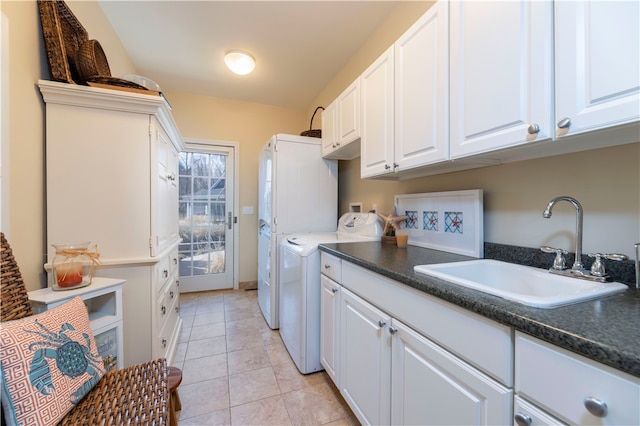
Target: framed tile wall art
450	221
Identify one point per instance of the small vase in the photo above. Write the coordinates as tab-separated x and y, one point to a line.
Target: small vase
72	266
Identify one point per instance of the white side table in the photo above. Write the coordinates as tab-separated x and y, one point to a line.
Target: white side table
103	299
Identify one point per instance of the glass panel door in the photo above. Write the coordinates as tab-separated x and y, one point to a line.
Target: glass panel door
206	220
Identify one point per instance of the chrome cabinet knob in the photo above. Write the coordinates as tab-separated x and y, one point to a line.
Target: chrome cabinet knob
533	129
335	289
523	419
565	123
595	406
387	167
381	323
327	266
393	330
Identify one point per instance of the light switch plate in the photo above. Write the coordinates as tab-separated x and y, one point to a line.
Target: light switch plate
247	210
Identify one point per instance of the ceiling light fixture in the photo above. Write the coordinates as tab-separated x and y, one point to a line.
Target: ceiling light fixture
240	62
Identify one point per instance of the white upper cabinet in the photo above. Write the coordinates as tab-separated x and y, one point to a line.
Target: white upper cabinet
422	91
376	88
404	97
597	50
329	137
501	75
341	125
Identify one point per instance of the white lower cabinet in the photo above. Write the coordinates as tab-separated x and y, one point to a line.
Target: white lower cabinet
429	385
365	359
330	327
408	358
391	374
572	388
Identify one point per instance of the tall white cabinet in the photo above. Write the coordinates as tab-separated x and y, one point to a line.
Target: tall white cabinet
111	159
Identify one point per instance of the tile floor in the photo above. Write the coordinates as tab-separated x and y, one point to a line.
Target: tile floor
237	371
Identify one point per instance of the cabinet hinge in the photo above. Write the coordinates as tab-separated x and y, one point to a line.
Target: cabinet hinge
150	242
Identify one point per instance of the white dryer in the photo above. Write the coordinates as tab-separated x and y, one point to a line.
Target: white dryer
300	284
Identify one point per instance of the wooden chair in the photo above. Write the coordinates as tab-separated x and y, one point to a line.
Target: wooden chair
136	395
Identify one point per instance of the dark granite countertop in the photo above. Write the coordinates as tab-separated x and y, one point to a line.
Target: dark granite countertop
606	330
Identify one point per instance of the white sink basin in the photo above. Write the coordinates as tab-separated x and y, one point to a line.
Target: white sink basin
522	284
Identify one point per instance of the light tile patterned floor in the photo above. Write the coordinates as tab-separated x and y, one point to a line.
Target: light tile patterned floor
237	371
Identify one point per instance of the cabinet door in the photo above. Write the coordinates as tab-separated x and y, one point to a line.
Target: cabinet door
422	90
365	359
597	50
172	196
161	178
376	93
329	138
330	327
501	75
348	117
432	386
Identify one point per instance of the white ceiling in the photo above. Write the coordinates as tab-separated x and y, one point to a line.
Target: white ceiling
299	46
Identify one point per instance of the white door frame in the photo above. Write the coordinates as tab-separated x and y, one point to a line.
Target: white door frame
206	145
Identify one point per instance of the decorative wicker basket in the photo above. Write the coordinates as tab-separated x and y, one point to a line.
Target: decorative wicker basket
313	133
91	61
73	58
63	35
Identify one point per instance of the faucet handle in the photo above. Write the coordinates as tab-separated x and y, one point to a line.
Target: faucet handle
559	263
597	268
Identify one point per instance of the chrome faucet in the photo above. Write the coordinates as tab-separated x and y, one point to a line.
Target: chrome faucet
597	272
577	264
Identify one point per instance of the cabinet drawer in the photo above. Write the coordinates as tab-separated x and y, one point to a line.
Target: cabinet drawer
524	410
166	301
331	266
169	332
559	381
173	261
161	272
162	309
172	292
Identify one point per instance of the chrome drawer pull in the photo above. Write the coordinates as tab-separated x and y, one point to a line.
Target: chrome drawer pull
595	406
523	419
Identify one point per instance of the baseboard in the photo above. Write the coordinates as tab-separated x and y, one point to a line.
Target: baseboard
248	285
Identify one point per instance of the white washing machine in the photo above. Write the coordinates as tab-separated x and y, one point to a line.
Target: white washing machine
300	284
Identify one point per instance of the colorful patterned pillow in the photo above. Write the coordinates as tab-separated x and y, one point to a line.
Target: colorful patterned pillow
49	362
